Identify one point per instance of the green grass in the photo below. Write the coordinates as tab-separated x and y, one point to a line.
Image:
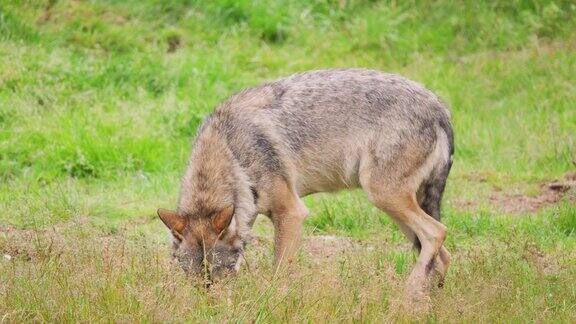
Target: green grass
99	101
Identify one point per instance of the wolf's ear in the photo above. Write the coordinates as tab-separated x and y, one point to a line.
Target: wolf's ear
172	220
222	219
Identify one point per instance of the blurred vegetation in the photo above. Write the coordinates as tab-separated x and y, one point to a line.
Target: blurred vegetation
101	88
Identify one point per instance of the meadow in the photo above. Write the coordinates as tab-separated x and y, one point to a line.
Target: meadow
100	99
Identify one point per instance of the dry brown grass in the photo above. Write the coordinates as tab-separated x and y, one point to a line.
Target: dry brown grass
74	273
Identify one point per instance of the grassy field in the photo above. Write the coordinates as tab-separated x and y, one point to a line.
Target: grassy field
99	100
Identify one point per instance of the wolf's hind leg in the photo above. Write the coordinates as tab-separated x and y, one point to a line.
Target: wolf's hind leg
442	259
404	209
441	264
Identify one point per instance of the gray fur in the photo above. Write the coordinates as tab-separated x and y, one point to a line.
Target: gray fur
317	131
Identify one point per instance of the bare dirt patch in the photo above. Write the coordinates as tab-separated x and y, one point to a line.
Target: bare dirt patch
327	246
30	245
550	193
543	263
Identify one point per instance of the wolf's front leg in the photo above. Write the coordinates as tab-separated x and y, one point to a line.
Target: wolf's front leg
288	214
287	234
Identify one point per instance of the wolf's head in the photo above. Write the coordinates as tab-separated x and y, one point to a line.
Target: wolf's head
204	244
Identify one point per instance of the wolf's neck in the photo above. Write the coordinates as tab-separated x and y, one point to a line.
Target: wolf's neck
213	180
210	180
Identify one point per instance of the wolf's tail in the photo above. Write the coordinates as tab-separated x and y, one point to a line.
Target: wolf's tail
433	187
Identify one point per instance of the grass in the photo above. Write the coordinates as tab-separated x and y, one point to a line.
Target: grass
99	101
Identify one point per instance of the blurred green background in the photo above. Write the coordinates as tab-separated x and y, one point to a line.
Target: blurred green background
99	99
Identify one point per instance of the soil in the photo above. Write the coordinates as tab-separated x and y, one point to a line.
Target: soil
327	246
550	193
543	263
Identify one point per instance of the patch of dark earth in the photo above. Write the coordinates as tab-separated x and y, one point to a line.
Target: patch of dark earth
550	193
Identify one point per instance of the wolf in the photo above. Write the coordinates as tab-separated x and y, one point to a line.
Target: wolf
266	147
